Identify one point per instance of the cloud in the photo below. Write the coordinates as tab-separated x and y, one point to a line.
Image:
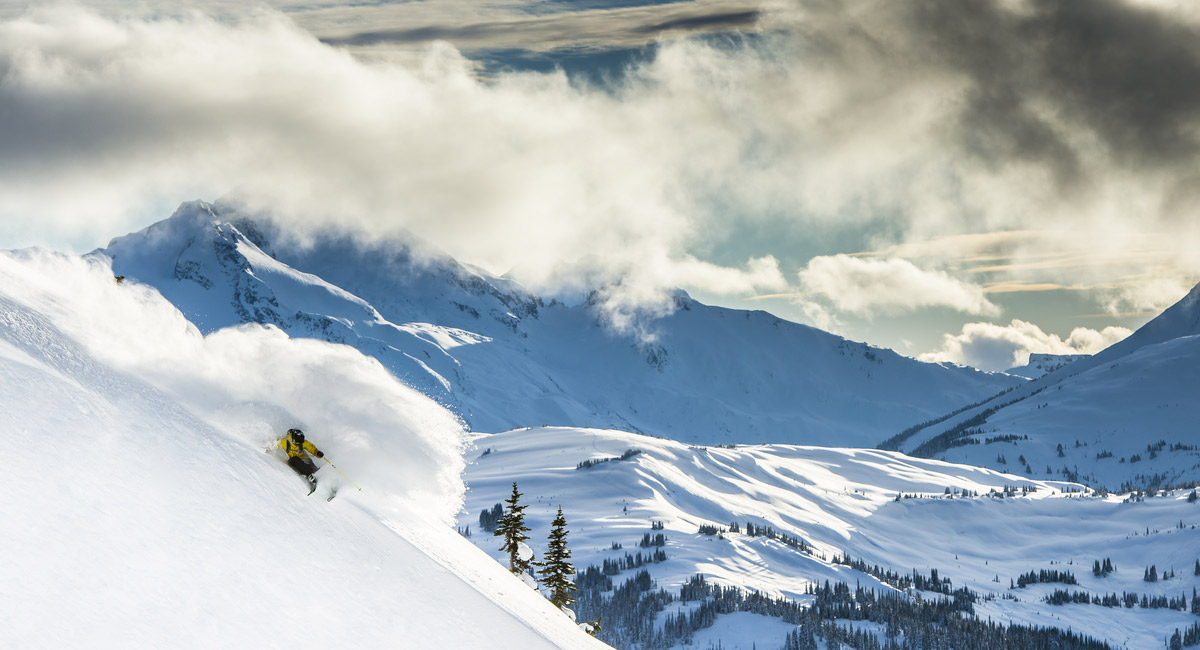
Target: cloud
104	116
999	347
1149	294
866	287
888	122
497	28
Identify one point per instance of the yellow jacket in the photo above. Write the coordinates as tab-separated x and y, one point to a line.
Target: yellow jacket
292	449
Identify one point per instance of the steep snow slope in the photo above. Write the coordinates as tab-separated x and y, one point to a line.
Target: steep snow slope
500	357
140	510
1180	319
1130	421
841	501
1123	400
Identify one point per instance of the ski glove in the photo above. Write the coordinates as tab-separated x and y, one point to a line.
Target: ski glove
320	454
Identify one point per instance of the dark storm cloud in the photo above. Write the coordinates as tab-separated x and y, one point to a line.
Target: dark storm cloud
417	35
720	21
1132	73
622	27
1126	74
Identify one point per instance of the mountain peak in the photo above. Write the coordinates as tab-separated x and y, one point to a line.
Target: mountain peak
500	357
1178	320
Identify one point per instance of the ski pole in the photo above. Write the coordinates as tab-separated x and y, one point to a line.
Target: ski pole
340	472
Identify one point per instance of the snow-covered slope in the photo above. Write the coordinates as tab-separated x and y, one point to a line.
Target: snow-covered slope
1125	415
141	511
1042	364
841	502
1132	421
500	357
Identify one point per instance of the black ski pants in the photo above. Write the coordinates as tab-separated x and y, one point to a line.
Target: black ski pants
303	466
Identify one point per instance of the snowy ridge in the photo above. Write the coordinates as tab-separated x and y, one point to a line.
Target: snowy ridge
839	501
1113	409
1043	364
1129	423
141	510
500	357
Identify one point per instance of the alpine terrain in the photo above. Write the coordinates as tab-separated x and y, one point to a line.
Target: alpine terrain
1122	419
142	510
500	357
709	478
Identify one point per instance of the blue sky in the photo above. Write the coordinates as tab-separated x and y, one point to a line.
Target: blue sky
966	181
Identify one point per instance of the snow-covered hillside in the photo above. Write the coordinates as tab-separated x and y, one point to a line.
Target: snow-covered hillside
1131	421
500	357
141	511
841	502
1124	416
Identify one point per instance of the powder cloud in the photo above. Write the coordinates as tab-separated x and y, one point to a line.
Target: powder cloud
255	382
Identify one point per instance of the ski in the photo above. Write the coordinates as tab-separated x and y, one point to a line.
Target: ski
332	493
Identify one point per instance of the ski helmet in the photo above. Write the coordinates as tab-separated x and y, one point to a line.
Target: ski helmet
297	435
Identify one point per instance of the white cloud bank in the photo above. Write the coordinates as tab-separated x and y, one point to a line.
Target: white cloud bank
999	347
866	287
109	122
107	117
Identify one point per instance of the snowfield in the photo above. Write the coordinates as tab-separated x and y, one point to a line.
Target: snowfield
141	510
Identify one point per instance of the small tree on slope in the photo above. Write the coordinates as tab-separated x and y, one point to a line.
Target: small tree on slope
557	570
512	528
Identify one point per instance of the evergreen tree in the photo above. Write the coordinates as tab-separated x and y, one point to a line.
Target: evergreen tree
557	570
512	528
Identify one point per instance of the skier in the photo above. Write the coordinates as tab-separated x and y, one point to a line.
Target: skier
297	449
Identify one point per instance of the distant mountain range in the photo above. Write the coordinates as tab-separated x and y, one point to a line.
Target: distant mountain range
501	357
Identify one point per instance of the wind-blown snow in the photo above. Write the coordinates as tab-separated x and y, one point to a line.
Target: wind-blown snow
256	382
141	510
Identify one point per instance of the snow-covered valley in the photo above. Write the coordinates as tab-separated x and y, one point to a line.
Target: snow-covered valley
843	503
